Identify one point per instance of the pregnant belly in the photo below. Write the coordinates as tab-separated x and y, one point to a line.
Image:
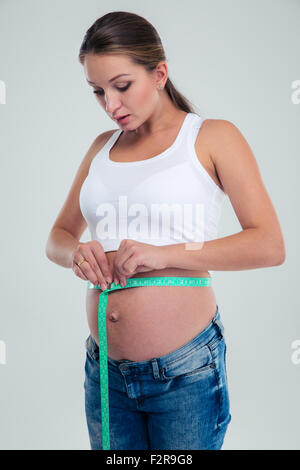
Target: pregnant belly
151	321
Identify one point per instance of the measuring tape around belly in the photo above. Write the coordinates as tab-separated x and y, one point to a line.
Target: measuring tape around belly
103	297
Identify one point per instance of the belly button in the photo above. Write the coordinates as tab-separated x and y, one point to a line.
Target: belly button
113	317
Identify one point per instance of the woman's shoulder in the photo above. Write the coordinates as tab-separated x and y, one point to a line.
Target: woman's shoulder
102	138
216	125
216	133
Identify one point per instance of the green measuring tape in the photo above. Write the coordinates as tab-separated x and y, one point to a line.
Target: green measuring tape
131	282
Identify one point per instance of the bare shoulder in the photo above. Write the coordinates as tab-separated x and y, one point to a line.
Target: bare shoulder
218	133
102	138
209	135
229	151
105	135
96	146
212	125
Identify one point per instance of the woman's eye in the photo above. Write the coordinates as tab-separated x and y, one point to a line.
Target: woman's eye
100	92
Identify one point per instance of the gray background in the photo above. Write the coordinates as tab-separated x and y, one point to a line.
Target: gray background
234	60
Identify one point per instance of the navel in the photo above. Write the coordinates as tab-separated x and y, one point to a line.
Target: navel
113	316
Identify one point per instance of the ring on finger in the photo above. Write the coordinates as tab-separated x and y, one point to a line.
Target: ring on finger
81	261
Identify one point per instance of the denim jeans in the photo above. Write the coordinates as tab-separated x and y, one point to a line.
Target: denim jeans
176	401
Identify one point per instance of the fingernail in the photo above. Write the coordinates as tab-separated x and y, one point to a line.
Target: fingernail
108	279
103	286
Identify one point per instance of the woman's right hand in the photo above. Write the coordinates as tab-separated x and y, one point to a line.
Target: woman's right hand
95	268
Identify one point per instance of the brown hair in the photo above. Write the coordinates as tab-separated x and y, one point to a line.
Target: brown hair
122	32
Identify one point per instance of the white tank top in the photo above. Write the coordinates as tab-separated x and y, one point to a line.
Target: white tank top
166	199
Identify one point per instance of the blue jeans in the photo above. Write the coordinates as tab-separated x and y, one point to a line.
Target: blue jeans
176	401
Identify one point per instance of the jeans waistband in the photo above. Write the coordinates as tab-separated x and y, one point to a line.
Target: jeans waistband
214	328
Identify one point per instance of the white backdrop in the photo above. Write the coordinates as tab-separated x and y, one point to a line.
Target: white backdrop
235	60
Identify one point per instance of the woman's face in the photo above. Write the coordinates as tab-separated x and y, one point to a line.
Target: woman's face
135	93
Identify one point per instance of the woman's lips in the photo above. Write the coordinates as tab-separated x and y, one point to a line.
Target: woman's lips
124	119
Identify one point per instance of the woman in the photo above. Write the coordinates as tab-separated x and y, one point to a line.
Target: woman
166	348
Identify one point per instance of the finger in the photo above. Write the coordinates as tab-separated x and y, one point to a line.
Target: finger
78	271
143	269
131	265
87	267
125	251
119	277
101	262
116	280
121	259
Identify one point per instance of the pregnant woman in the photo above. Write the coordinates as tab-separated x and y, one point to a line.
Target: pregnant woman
151	193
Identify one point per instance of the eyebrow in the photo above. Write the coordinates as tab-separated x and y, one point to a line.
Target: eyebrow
112	79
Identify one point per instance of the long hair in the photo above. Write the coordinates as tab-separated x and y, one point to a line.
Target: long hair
122	32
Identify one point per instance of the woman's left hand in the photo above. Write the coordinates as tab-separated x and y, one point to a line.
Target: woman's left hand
133	257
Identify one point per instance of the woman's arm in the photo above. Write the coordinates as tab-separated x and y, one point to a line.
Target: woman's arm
260	243
61	246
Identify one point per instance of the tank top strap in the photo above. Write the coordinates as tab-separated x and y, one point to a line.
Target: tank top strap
194	127
112	140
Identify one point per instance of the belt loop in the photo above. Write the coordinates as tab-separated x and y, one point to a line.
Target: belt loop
155	369
220	325
217	321
93	348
